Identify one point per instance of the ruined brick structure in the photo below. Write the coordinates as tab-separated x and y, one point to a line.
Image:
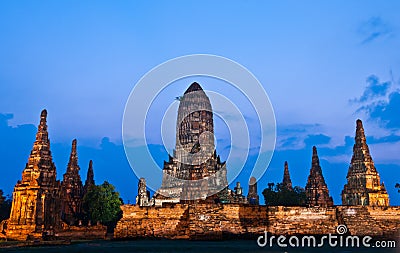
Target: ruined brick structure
194	201
238	196
363	182
72	190
36	206
287	182
41	203
317	192
194	172
252	196
232	217
89	178
143	197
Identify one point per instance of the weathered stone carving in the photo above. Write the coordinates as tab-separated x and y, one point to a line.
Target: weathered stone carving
363	181
238	196
238	189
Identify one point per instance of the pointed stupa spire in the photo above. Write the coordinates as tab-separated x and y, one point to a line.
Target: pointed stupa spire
42	135
194	87
40	159
360	149
360	135
90	176
362	169
73	151
43	116
72	189
316	189
36	198
286	182
315	159
360	140
73	158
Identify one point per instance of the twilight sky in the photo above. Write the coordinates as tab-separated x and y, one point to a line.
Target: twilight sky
323	66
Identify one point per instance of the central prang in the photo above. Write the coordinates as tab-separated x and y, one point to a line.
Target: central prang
194	128
194	173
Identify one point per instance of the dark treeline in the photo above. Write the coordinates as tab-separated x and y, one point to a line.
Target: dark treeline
5	206
277	195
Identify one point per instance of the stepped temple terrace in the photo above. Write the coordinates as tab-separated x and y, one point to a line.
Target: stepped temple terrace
195	200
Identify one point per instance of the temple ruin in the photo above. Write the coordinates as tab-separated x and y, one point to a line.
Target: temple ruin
364	185
317	192
36	206
42	206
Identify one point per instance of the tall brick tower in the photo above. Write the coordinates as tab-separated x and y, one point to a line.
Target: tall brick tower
252	196
317	192
194	128
287	182
72	190
36	198
89	182
363	182
194	171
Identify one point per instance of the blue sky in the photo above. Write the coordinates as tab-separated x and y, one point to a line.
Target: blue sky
322	64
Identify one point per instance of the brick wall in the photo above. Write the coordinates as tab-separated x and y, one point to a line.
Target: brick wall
216	221
82	232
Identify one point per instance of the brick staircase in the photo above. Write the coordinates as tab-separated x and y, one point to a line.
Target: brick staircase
357	218
182	227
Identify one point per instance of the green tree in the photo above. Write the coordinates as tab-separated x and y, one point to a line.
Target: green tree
270	196
281	196
102	203
5	206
